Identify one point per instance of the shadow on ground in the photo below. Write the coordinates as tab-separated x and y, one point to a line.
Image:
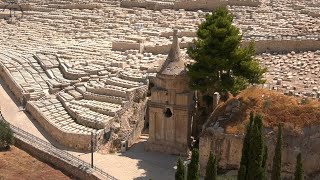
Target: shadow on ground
157	166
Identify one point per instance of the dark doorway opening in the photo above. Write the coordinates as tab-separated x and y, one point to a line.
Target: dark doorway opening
168	113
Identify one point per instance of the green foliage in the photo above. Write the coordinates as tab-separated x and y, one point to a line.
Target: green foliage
253	164
220	63
211	170
305	101
276	166
298	175
180	173
256	151
242	173
194	167
6	135
208	100
264	163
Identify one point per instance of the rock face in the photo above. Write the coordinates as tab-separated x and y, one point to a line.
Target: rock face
229	148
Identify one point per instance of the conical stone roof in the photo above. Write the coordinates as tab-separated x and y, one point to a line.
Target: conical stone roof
174	64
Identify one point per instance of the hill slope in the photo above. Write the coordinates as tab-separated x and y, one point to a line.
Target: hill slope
275	107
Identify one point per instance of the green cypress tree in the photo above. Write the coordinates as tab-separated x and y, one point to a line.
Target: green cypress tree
264	162
211	170
257	151
180	173
194	167
298	175
242	173
276	166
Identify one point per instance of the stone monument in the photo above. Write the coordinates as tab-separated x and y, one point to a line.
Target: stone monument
171	106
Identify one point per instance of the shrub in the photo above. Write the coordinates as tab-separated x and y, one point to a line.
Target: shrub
6	135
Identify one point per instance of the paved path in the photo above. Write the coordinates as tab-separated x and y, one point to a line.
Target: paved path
17	117
133	164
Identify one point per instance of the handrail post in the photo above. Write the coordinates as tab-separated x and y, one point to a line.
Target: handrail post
91	149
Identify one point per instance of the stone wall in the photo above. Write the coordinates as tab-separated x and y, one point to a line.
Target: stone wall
280	46
261	46
71	75
229	148
135	94
68	139
109	91
24	6
187	5
123	46
212	4
13	86
162	49
139	117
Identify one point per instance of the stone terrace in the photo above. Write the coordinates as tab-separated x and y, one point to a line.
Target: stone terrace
84	67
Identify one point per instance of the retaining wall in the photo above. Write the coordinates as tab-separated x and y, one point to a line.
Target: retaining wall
283	46
13	86
123	46
187	5
68	139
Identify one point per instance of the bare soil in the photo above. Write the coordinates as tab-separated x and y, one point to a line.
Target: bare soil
17	164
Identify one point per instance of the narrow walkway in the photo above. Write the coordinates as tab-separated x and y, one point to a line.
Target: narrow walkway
133	164
17	117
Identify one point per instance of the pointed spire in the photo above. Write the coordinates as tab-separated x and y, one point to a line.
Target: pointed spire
174	54
174	63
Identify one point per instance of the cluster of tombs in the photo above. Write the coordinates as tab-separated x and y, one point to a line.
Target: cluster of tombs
84	68
293	74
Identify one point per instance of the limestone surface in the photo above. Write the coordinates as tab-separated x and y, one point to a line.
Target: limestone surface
84	66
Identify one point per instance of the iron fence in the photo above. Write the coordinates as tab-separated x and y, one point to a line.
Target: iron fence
49	148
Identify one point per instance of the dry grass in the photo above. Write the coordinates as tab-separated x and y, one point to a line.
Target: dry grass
275	108
17	164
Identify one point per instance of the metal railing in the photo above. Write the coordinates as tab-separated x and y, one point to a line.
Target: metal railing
49	148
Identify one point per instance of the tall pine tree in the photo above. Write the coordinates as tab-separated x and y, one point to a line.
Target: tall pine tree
180	173
298	175
242	173
221	64
211	170
194	167
276	166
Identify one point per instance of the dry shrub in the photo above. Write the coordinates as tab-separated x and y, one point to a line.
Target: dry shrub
275	108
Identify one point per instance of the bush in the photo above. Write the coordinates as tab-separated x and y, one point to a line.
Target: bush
305	101
6	135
